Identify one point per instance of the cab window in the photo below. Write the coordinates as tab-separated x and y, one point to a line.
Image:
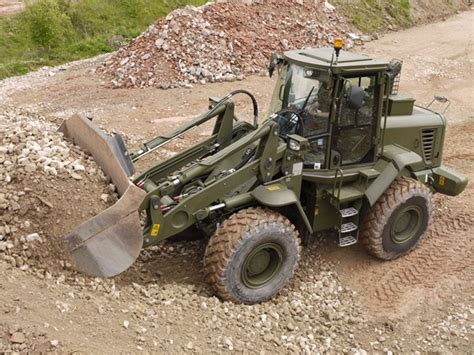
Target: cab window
355	128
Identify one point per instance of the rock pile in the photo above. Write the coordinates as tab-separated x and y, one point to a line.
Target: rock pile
43	178
221	41
30	145
16	340
315	313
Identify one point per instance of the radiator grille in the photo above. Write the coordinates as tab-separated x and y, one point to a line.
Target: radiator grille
428	138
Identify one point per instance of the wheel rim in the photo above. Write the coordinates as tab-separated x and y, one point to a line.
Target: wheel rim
261	265
406	224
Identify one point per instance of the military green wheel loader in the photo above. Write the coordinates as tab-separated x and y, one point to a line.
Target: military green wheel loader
340	152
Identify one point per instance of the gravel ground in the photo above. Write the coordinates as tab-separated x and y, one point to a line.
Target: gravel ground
41	175
162	304
311	316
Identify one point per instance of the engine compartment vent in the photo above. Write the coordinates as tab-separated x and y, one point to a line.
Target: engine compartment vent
428	137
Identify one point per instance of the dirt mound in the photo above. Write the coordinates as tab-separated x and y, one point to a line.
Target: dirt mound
48	186
221	42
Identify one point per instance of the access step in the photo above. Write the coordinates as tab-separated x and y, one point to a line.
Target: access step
347	194
348	212
348	227
347	240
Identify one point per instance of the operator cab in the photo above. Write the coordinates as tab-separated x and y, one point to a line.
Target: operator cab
332	102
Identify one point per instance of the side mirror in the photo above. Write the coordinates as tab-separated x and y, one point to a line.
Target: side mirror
275	61
442	100
355	97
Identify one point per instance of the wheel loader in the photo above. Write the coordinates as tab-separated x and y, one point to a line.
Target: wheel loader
340	152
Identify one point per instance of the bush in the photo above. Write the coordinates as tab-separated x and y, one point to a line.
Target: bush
51	32
46	25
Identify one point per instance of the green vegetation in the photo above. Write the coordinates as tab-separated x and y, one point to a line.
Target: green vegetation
376	15
51	32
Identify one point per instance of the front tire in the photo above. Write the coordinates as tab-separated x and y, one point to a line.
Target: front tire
252	256
399	220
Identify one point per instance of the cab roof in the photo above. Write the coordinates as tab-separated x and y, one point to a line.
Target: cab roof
320	58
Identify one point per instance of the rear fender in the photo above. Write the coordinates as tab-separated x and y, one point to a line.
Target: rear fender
400	162
278	195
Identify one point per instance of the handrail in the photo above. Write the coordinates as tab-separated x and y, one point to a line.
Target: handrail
338	173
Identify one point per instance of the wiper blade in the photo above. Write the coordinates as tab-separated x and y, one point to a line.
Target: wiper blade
307	98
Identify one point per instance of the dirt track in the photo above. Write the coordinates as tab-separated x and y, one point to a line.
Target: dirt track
411	299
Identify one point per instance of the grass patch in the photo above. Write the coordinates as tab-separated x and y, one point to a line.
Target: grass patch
51	32
376	15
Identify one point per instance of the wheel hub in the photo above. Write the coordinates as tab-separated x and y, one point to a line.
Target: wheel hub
406	224
261	265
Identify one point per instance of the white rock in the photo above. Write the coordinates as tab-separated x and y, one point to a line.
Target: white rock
228	343
159	42
30	167
328	6
76	176
33	237
79	167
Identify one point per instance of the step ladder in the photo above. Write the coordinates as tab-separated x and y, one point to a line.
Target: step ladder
349	230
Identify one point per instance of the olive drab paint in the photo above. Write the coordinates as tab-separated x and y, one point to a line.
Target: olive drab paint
321	164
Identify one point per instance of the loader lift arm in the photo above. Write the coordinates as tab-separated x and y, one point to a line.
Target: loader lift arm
108	244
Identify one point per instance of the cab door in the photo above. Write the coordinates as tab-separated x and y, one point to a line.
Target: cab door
354	131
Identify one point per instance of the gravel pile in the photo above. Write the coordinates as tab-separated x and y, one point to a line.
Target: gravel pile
42	177
221	42
456	329
14	339
31	145
315	313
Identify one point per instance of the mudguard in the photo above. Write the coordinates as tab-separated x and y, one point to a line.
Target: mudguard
278	195
398	159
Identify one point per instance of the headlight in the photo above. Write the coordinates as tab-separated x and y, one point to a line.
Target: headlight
294	145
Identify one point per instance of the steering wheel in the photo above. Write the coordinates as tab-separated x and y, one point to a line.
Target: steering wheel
290	122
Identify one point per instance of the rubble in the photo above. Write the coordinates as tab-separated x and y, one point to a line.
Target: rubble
221	41
18	340
38	166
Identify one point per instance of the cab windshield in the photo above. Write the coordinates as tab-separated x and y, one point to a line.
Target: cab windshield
301	101
298	87
301	104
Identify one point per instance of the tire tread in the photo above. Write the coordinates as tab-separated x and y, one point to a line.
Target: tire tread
228	238
398	192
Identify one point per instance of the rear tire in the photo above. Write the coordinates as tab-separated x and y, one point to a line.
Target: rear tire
399	220
252	256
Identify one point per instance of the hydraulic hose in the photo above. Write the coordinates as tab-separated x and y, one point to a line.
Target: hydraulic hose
254	103
161	140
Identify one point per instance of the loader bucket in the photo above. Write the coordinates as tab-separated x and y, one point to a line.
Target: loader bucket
108	151
110	242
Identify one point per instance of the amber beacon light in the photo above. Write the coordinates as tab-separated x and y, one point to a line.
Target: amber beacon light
338	44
